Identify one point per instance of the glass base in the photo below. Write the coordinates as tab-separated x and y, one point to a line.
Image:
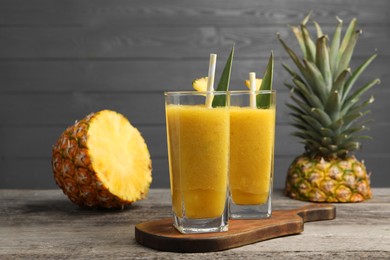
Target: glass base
259	211
201	225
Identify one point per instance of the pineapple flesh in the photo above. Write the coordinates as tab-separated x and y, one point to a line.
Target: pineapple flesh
102	161
327	114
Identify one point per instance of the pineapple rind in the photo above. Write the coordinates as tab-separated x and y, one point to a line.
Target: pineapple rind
75	173
320	180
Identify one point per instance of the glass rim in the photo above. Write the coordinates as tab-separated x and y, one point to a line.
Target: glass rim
193	92
272	91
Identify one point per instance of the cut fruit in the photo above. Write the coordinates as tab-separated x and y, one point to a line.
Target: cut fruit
102	161
200	84
258	83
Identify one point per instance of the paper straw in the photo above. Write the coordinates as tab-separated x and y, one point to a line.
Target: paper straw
210	80
252	80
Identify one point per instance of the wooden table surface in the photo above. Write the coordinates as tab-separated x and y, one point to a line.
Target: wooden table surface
45	224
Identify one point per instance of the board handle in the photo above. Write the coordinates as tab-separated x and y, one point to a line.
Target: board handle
315	212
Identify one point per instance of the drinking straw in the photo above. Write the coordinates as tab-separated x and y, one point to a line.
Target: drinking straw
210	80
252	80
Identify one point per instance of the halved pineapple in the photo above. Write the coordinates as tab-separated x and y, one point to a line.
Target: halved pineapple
102	161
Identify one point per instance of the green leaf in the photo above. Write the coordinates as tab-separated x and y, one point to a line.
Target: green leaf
321	116
313	122
350	120
301	104
322	61
306	135
311	99
351	146
339	83
336	126
353	130
298	120
307	41
364	137
295	108
309	44
348	34
313	135
347	54
306	18
359	92
299	126
223	85
300	135
298	35
355	75
318	85
333	148
342	153
264	101
327	132
324	150
354	107
294	57
318	29
291	72
335	45
299	98
340	139
333	105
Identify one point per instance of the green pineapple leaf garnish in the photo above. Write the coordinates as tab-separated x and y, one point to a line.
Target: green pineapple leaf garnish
223	85
263	101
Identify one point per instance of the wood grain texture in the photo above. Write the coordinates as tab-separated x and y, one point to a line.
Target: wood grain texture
68	76
161	235
59	61
45	224
147	42
141	108
189	13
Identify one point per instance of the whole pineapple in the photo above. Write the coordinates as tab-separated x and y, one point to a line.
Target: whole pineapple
102	161
327	116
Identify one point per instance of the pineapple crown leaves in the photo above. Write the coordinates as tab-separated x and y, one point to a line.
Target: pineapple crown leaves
326	109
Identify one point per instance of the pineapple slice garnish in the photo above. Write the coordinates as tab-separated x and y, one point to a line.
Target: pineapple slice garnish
200	84
258	83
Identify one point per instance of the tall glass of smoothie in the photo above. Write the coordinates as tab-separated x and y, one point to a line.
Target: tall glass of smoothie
198	152
252	138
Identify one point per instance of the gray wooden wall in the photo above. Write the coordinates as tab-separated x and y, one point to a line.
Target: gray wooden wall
60	60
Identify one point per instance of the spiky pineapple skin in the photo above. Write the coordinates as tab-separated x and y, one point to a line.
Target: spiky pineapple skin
332	180
74	173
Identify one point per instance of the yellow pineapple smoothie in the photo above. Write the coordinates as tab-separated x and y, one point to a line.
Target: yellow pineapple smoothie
198	148
252	133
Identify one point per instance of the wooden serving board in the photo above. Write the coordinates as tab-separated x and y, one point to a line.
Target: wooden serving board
161	235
